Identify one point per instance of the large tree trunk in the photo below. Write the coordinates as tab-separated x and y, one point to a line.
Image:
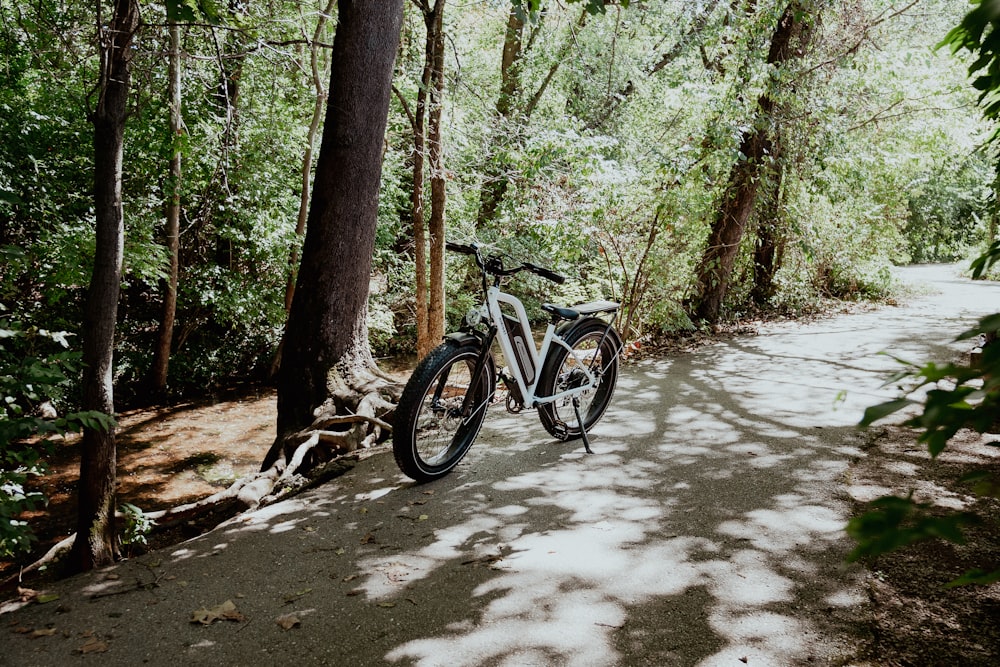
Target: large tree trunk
716	267
161	357
327	362
96	539
305	173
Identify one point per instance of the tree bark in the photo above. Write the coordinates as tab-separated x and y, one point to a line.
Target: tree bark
96	541
161	358
306	169
327	360
715	269
769	249
435	309
428	234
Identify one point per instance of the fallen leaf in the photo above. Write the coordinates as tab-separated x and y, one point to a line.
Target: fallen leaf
288	621
226	611
47	597
341	551
355	591
387	604
296	595
429	492
94	645
422	517
745	659
350	577
43	633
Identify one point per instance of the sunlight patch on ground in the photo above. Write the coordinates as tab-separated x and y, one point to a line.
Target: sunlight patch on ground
781	530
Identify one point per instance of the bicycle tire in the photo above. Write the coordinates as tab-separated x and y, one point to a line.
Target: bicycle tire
430	436
561	370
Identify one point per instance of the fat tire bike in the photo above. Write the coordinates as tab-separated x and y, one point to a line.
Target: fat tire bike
570	378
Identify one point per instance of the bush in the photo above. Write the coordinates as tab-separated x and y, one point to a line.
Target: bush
35	367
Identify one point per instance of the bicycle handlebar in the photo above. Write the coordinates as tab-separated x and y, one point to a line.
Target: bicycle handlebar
494	265
545	273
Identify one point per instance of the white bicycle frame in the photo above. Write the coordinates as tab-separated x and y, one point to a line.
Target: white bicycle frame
494	298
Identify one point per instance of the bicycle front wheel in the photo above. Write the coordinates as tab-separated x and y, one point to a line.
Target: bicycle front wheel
564	369
441	410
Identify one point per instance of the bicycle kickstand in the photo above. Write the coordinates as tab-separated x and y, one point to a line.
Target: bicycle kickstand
579	420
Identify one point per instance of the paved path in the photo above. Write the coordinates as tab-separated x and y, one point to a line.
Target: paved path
706	530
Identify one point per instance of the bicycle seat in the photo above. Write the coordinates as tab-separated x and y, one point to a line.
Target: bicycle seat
573	313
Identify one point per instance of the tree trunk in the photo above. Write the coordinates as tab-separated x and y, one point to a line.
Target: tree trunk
495	178
327	361
715	270
306	169
161	358
428	235
96	539
768	251
435	310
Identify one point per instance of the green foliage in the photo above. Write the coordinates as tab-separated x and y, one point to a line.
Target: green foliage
978	34
138	525
946	209
35	366
892	523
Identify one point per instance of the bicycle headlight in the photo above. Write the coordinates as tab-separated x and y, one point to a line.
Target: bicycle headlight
473	317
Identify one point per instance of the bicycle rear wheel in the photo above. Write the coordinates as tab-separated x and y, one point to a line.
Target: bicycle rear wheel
563	370
435	425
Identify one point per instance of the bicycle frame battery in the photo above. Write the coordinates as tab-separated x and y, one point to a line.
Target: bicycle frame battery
520	340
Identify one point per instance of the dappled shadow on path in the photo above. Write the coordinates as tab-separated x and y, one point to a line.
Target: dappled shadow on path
705	530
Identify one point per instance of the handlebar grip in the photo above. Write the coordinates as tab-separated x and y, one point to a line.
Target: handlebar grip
545	273
460	247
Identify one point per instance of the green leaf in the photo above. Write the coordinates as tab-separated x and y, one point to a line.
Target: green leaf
883	410
192	11
976	577
8	197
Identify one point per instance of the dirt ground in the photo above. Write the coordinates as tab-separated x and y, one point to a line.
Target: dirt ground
916	620
175	455
166	457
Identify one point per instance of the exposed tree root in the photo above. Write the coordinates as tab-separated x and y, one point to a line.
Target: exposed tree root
355	418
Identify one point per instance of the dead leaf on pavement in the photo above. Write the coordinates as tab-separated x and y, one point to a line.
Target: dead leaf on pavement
48	632
288	621
226	611
94	645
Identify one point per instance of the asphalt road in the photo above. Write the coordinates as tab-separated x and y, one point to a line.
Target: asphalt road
707	529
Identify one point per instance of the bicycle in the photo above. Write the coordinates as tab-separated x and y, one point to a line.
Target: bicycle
570	378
